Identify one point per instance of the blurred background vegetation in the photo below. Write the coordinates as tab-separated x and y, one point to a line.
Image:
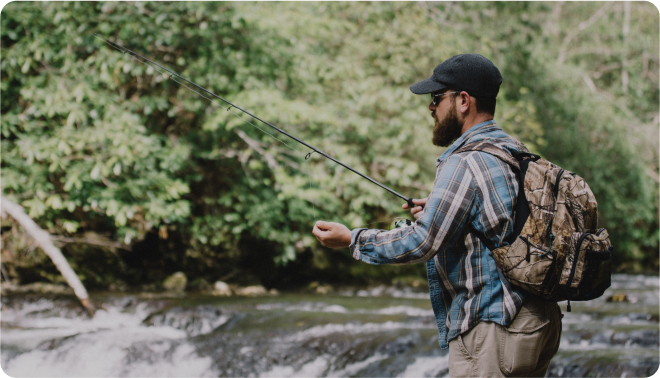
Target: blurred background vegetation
137	177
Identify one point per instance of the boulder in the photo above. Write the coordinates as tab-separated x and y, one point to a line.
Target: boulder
221	289
176	282
251	291
323	289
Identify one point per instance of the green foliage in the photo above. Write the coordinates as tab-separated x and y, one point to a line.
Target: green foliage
93	140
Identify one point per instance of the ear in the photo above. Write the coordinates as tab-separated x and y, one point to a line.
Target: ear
465	102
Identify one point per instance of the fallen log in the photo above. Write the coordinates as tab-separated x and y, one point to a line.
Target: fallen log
44	241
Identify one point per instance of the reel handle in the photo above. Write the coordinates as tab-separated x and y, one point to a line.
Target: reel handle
406	222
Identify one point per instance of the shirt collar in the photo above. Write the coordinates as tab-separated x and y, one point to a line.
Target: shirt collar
475	130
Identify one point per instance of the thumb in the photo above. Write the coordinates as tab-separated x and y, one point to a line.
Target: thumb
323	225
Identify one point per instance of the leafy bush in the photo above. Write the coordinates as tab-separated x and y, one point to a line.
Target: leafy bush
97	145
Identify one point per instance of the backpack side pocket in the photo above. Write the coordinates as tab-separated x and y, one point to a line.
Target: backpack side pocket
586	273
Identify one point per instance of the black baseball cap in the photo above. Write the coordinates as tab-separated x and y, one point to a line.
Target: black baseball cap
472	73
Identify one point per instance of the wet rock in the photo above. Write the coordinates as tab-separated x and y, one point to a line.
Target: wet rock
576	365
377	291
273	291
319	288
251	291
640	316
617	320
603	337
176	282
400	345
221	289
194	321
643	338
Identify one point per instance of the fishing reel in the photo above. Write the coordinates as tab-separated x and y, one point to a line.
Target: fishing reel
402	223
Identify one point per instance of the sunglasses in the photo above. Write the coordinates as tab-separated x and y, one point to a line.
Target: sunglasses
436	98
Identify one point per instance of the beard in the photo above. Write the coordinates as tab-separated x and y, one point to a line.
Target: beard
446	130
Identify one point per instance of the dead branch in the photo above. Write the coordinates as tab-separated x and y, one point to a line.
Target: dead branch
43	239
96	242
270	159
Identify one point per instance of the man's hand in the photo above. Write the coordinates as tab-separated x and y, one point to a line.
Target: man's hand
332	235
417	210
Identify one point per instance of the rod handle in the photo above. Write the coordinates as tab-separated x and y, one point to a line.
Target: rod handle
410	203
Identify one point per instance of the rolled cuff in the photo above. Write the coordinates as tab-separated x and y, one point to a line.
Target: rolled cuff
355	247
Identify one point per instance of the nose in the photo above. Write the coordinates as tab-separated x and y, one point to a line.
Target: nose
431	106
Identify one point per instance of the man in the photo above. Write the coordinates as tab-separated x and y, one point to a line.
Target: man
491	327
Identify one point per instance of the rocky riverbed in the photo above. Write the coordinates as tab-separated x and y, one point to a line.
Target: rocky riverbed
379	331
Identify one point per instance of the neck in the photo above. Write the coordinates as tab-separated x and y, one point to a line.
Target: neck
475	119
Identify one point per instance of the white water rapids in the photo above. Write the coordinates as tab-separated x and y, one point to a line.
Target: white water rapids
377	332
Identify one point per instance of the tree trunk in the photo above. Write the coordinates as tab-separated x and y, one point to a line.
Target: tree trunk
44	241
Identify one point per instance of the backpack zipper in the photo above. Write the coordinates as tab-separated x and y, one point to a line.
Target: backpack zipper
575	258
577	251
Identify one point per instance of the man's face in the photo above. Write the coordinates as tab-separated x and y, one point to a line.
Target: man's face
447	125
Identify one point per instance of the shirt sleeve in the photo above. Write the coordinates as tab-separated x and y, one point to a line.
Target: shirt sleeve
447	211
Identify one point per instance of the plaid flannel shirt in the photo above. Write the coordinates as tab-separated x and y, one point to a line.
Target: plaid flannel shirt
473	192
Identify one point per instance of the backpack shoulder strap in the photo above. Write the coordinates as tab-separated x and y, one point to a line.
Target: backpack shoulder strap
492	149
520	161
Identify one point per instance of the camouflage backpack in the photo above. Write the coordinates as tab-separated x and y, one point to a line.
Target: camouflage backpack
555	250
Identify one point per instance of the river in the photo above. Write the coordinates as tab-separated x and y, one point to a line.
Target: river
376	332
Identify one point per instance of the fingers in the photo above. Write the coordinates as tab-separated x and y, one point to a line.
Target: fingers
416	209
316	231
420	201
323	231
325	226
331	234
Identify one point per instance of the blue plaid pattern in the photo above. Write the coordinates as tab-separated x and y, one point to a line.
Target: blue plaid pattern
473	193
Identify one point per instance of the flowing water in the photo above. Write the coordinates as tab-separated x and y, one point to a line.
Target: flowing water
382	332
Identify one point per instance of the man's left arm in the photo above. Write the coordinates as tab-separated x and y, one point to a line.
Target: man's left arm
445	214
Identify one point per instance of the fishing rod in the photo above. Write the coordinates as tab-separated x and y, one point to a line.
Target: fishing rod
231	105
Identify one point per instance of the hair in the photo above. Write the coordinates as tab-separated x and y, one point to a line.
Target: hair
486	105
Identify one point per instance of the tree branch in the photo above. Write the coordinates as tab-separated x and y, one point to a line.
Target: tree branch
581	26
96	242
272	163
43	239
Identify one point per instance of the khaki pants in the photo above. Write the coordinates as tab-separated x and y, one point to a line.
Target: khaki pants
522	350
